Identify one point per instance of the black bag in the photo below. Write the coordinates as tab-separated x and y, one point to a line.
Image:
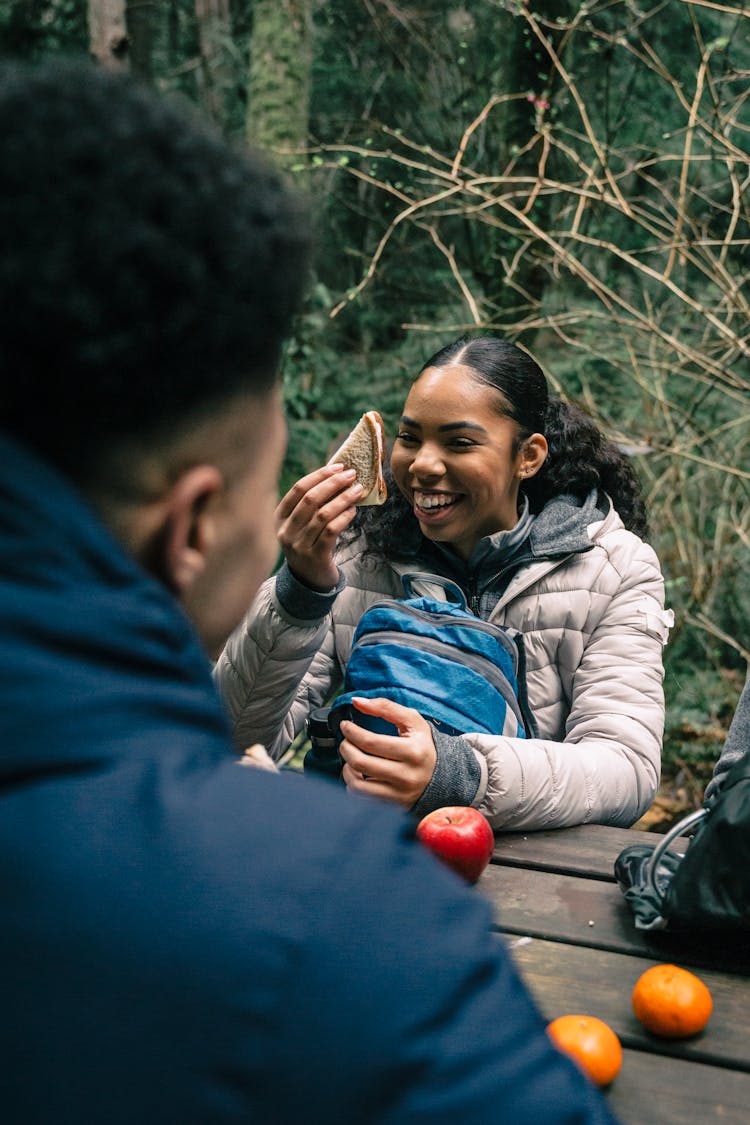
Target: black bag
707	889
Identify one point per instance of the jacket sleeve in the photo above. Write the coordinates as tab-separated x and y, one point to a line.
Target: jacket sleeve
606	769
736	746
275	669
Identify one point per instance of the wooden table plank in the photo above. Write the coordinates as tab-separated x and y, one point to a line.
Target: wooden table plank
569	979
574	940
593	913
655	1090
588	850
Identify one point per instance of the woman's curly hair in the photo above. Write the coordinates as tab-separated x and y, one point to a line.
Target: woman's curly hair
580	457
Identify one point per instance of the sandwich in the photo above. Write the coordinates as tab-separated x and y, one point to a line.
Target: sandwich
364	451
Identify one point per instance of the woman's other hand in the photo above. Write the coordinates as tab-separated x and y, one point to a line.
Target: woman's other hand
397	767
310	519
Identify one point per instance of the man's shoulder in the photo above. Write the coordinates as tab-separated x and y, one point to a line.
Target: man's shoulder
310	854
291	821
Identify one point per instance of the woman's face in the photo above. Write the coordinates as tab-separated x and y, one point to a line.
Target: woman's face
454	460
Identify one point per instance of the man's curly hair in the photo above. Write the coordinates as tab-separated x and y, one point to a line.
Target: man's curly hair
580	457
147	270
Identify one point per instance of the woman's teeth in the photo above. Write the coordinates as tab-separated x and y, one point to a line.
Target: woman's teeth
429	503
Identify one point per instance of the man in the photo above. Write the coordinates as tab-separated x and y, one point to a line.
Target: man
185	940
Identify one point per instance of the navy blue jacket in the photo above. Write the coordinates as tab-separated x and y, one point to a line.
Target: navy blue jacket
185	940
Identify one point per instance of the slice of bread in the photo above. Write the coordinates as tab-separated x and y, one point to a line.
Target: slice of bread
364	451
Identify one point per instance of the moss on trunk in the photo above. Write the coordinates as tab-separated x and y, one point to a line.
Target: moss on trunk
278	103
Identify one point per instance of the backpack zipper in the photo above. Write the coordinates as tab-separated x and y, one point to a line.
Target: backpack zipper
483	666
502	633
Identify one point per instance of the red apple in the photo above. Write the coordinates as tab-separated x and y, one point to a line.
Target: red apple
461	837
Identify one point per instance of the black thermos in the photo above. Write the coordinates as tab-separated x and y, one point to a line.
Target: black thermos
323	756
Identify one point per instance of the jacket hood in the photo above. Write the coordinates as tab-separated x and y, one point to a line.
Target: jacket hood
92	647
566	525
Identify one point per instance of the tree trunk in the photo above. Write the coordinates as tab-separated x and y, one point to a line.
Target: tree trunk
522	65
278	103
214	27
108	37
146	22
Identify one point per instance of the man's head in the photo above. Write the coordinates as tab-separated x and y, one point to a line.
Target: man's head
148	277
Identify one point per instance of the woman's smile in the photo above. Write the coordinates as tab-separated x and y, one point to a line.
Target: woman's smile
434	506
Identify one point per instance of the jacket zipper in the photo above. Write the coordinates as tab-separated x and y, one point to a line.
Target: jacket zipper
472	596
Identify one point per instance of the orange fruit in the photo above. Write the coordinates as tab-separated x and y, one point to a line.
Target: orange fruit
591	1043
672	1002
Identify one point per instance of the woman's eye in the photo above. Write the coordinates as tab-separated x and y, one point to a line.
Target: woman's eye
403	435
462	443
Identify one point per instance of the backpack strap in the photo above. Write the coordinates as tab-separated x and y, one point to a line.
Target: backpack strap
675	831
451	589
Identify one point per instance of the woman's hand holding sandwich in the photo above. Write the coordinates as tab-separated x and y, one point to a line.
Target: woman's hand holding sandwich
397	767
310	519
321	505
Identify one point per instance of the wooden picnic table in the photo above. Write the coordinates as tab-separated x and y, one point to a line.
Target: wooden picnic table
572	936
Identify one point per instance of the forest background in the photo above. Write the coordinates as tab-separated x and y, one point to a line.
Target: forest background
571	175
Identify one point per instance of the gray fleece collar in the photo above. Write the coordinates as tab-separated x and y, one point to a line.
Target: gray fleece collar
561	528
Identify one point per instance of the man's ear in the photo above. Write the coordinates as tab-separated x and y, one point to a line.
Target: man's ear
188	528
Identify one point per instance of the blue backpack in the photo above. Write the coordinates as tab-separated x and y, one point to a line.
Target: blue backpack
461	673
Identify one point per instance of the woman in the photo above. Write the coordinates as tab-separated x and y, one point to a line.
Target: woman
519	499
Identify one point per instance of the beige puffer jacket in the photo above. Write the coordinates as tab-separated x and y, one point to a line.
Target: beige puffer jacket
594	624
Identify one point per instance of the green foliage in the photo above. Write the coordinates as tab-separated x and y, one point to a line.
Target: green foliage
370	70
33	28
328	386
573	177
701	702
